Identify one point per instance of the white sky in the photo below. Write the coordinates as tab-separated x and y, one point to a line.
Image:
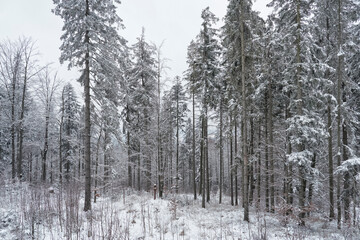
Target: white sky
175	21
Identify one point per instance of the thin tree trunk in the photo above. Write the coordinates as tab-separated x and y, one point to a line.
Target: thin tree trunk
231	162
177	144
330	131
13	135
244	107
97	165
251	177
202	167
159	154
271	149
236	164
346	177
267	171
46	144
288	165
21	128
129	152
339	116
207	171
193	145
87	133
221	152
259	170
106	155
139	166
311	187
60	138
331	164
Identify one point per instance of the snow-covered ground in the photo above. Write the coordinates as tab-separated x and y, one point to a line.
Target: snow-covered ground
36	213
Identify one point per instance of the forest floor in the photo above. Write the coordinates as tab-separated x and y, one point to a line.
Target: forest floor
41	213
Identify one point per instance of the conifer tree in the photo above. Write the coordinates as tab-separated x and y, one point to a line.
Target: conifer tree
90	42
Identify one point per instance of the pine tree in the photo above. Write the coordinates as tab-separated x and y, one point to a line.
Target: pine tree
144	78
303	90
69	127
191	76
90	42
178	110
205	82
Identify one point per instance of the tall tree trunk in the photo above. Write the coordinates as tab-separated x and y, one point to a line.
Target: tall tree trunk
129	152
311	187
193	145
331	164
207	170
299	106
288	165
61	138
139	166
347	186
177	145
21	127
330	130
244	107
258	179
267	171
106	154
46	143
251	177
231	162
97	164
271	149
202	167
339	108
221	160
87	133
13	135
159	154
236	163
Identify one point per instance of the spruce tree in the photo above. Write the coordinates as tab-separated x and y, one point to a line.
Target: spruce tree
90	42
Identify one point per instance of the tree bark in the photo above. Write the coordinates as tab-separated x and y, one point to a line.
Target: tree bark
193	145
236	164
87	132
221	160
46	144
177	143
271	148
202	167
244	107
339	112
60	138
258	179
330	132
299	106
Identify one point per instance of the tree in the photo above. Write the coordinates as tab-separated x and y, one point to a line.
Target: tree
304	93
144	83
10	69
192	75
207	65
46	92
241	58
178	110
69	127
161	67
90	42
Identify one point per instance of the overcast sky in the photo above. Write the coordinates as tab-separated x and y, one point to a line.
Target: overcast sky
176	22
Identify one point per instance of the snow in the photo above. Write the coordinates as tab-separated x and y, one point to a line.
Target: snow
136	215
348	165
